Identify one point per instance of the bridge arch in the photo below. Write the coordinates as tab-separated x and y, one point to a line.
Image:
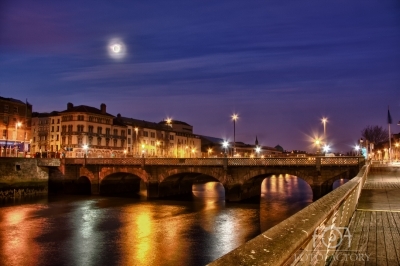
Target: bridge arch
252	187
216	174
181	183
84	186
121	183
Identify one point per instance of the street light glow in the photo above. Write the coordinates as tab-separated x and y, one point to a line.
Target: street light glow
326	148
235	117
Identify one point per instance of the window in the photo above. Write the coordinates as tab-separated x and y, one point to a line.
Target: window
15	109
80	128
80	141
152	135
123	133
63	128
99	130
171	137
52	121
99	141
115	142
57	137
90	118
152	142
107	142
58	121
58	128
90	129
34	139
52	128
5	108
145	133
5	120
108	131
70	127
129	140
122	143
116	132
129	131
80	117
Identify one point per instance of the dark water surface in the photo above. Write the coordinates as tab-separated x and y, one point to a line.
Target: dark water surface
90	230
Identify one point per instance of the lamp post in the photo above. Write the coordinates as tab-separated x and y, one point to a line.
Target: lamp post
234	118
326	149
225	145
357	148
209	152
143	150
397	148
317	144
157	144
136	143
258	149
85	148
324	120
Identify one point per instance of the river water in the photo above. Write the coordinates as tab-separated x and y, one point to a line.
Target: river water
91	230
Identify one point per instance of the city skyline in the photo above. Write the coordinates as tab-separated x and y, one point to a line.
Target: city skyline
281	67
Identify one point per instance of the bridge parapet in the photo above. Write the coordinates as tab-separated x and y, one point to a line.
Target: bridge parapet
309	237
286	161
48	162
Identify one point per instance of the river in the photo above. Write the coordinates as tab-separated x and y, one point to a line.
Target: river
94	230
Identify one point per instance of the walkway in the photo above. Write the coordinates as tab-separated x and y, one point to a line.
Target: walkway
375	226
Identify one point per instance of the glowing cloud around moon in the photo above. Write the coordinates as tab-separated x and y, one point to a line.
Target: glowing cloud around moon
116	49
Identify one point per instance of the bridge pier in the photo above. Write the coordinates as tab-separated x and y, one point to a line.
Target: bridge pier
233	192
152	190
320	190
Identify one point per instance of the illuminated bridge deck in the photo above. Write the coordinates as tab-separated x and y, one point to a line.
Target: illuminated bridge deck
375	226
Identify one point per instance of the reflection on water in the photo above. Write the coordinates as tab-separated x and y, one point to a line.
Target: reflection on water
339	182
72	230
281	197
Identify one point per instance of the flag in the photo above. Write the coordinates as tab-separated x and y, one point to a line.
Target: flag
389	119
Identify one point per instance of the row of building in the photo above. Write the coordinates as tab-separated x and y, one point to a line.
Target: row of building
83	130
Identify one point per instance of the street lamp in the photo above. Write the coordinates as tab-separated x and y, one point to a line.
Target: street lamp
125	153
142	150
169	121
85	148
225	144
17	125
317	143
193	150
234	118
209	152
157	144
258	149
326	148
357	148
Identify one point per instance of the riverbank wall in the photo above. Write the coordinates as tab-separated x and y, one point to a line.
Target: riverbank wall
20	177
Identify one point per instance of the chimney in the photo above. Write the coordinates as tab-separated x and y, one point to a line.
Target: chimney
103	108
69	106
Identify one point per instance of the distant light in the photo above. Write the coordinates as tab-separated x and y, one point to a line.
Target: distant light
116	48
225	144
235	117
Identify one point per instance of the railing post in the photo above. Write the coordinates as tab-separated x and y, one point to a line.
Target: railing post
225	163
318	163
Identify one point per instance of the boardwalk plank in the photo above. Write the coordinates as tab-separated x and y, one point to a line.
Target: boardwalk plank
371	246
395	229
380	241
389	244
363	242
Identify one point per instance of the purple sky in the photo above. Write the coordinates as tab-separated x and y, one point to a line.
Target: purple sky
281	65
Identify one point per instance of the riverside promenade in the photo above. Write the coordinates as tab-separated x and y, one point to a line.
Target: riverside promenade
375	225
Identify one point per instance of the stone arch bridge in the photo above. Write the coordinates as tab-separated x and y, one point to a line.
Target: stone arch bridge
163	177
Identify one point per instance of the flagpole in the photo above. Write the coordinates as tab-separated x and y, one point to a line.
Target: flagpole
390	141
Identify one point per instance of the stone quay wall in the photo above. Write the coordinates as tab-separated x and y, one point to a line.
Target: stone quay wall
20	177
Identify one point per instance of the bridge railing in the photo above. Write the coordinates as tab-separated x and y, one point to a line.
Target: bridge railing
309	237
276	161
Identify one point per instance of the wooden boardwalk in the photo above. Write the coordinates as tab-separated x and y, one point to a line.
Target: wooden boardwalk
375	226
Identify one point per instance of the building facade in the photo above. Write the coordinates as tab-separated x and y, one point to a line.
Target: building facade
15	126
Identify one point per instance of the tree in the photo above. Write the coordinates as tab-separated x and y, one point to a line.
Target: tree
375	134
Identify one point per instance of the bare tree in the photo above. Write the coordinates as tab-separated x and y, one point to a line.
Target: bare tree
375	134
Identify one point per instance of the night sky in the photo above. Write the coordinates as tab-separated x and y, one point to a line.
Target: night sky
281	65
